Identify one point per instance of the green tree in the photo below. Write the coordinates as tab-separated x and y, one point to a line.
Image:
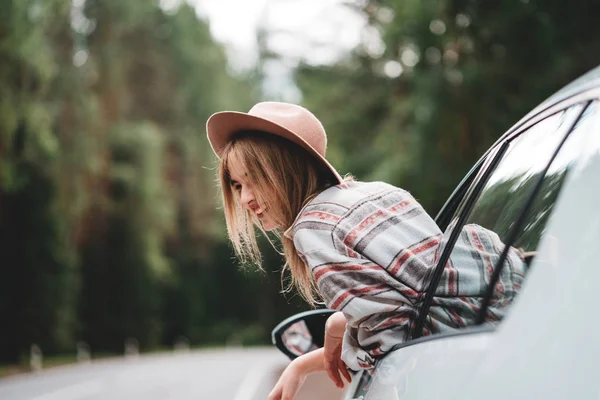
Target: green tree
124	267
105	198
39	285
469	70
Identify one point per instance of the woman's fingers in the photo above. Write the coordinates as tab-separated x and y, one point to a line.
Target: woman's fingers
275	393
344	369
289	392
332	353
334	333
331	366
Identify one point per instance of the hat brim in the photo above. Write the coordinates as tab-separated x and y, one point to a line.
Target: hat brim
223	126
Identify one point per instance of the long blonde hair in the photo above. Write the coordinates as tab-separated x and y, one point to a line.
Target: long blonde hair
291	177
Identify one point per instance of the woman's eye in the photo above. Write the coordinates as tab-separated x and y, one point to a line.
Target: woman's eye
237	187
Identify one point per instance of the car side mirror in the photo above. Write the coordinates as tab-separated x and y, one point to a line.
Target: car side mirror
301	333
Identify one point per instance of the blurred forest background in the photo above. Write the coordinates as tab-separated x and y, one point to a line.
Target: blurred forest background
109	219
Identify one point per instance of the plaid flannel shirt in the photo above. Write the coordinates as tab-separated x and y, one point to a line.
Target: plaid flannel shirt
371	248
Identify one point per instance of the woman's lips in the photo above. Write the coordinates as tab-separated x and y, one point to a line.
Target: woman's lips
260	214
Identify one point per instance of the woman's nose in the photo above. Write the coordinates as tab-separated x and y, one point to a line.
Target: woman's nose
247	197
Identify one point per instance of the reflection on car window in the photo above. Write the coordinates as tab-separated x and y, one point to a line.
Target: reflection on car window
478	247
578	145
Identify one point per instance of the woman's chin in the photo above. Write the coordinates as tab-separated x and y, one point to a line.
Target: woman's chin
268	225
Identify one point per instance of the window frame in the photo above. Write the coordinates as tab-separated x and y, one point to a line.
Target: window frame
472	186
471	198
448	209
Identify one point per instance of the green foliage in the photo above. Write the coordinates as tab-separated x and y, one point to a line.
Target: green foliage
107	210
354	114
470	69
40	282
133	267
39	279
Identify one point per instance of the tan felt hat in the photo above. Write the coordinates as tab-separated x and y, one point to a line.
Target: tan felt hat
289	121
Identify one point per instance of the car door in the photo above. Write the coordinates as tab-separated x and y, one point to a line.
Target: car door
548	347
510	192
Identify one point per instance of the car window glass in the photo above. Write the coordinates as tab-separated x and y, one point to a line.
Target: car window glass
463	283
576	148
464	188
582	143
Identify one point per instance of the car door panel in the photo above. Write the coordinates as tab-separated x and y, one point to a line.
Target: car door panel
407	372
547	347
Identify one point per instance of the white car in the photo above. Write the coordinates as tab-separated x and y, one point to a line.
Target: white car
538	188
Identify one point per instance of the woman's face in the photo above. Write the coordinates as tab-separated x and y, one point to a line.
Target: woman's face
245	189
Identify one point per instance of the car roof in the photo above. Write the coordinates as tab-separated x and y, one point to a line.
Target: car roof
588	81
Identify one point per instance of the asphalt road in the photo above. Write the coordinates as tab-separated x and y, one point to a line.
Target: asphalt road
230	374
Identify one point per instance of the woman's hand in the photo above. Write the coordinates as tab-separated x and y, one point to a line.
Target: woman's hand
334	335
289	383
294	375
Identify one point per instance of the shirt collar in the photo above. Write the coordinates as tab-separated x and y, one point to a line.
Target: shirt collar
289	233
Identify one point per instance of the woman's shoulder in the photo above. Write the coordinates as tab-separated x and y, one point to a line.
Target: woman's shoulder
332	204
350	193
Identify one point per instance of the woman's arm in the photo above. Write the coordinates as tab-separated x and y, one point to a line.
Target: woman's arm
335	327
294	375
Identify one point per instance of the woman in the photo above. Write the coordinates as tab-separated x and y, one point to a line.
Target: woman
366	249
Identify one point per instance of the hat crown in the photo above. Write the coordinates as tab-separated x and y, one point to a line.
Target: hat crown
289	121
296	119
